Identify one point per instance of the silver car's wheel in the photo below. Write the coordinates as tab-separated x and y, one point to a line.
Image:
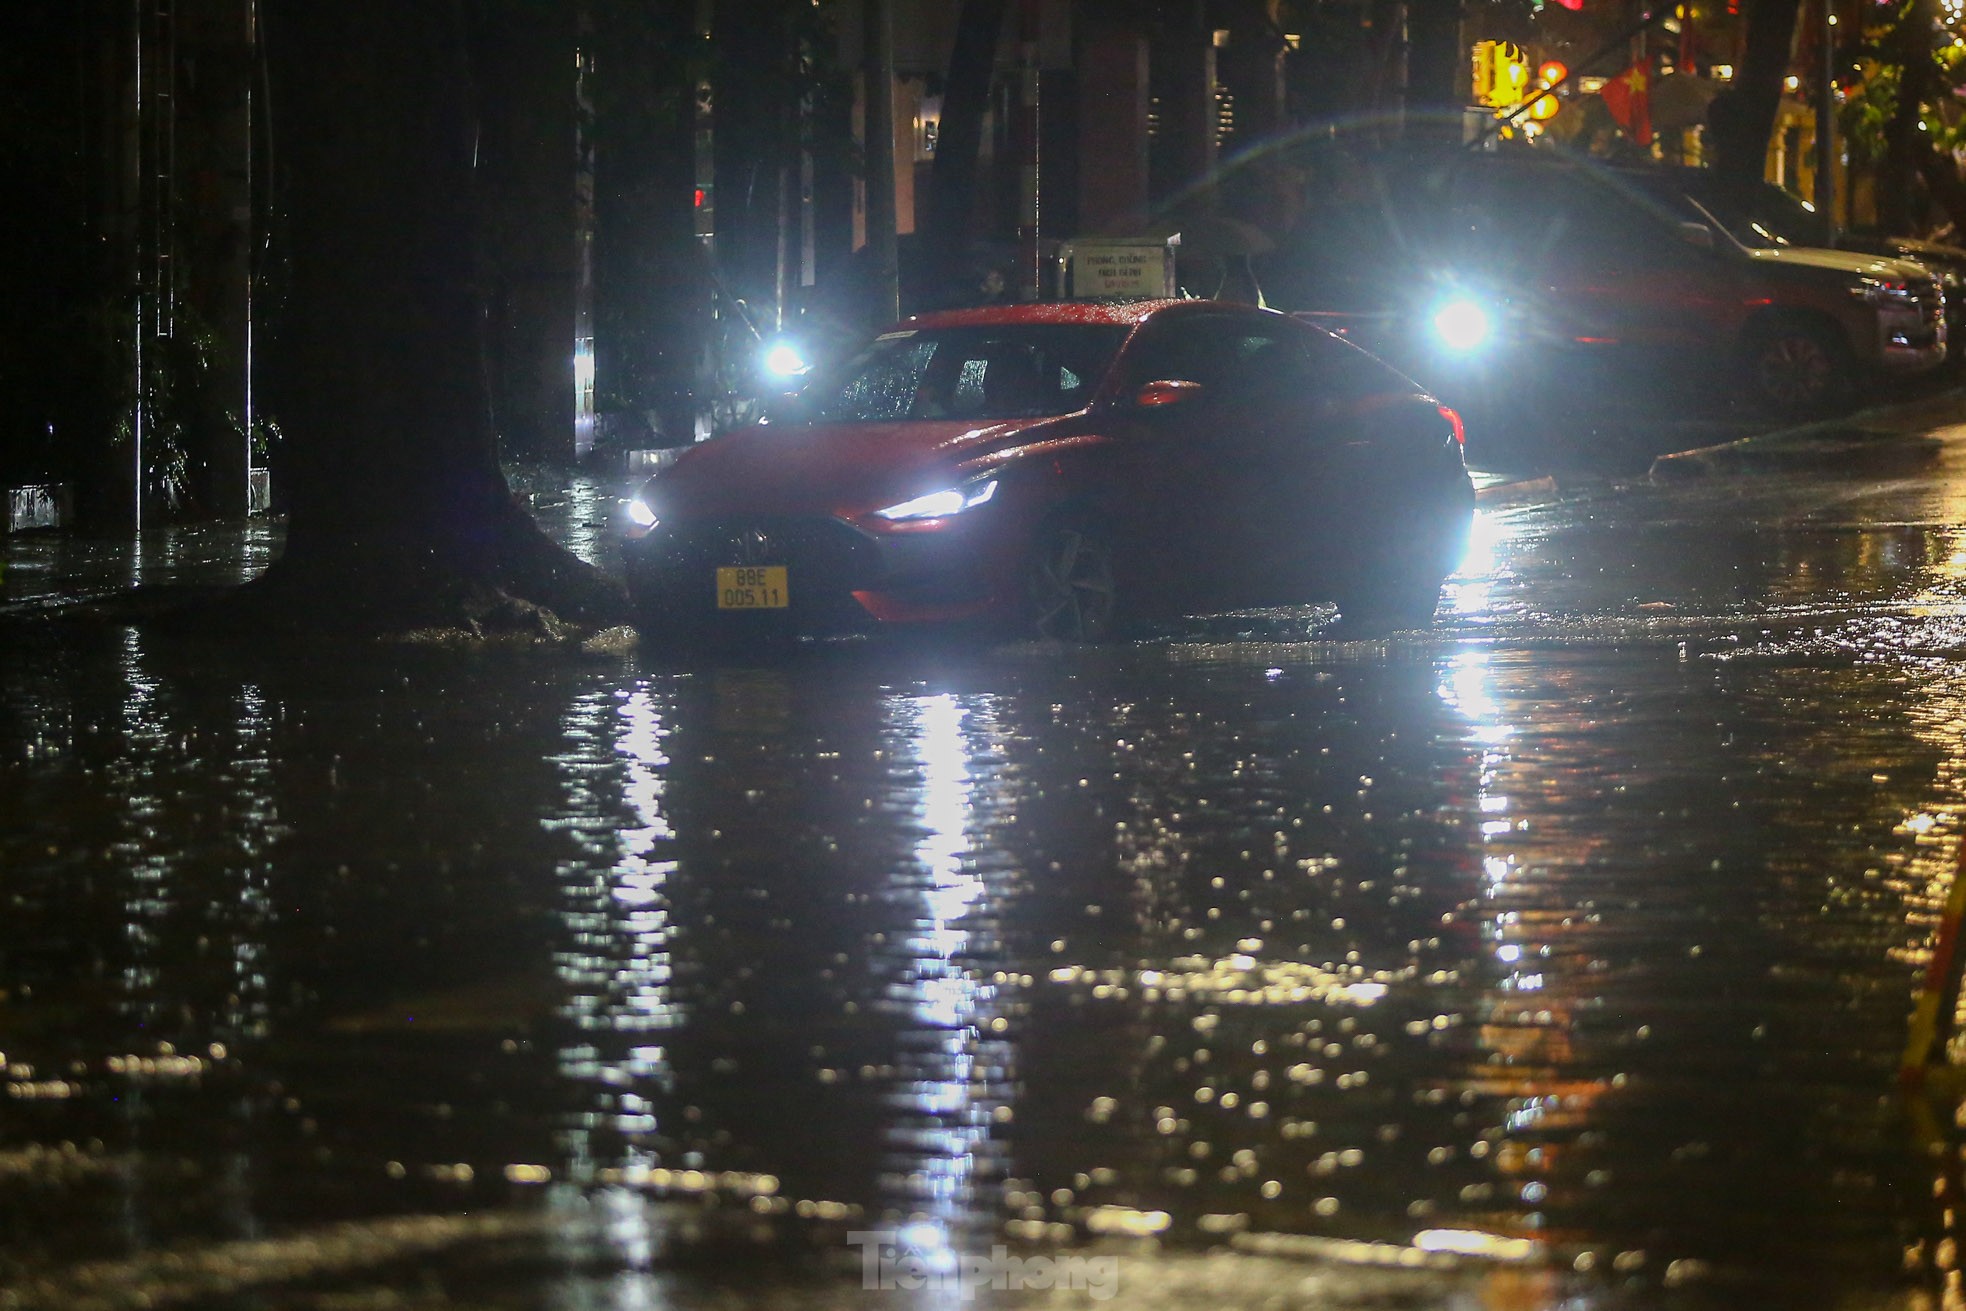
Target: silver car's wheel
1068	586
1798	368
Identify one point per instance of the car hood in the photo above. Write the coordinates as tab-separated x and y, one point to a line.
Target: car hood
1911	248
827	468
1838	261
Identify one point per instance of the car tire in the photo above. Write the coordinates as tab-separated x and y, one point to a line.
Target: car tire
1798	368
1067	589
1394	584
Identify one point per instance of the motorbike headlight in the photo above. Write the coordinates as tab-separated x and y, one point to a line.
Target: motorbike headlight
784	361
940	504
640	515
1462	325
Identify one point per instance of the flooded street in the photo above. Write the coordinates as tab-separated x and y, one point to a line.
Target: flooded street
1560	957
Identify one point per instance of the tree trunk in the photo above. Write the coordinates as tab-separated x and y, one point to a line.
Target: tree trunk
524	61
1941	176
1183	73
651	284
1434	72
965	100
399	514
1251	68
1904	143
1744	115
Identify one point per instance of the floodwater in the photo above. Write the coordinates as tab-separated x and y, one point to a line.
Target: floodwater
1559	958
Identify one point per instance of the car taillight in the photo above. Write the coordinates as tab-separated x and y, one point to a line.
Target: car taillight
1454	421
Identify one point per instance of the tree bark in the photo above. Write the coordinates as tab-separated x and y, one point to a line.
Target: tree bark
1434	71
1911	45
523	60
965	99
1941	175
1183	73
1251	67
1744	115
651	284
399	513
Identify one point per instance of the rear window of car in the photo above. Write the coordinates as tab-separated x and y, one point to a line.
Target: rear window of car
978	372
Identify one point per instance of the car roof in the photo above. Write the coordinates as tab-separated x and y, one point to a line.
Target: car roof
1123	312
1685	175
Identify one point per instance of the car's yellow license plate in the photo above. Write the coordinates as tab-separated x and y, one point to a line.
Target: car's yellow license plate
752	587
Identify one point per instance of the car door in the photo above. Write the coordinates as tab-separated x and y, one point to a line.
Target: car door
1225	486
1612	269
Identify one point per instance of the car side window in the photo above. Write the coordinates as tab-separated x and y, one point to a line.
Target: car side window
1268	366
1505	224
1232	359
968	394
1179	352
1271	376
987	377
1581	222
1008	376
1296	386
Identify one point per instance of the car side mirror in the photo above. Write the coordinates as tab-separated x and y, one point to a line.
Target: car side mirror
1696	234
1165	392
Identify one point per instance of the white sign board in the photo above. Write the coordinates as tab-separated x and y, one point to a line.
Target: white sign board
1120	268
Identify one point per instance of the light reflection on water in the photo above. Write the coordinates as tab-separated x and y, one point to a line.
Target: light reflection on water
1470	592
149	891
614	962
50	566
957	1068
1354	948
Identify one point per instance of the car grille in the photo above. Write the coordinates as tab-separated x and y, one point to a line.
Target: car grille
674	569
1930	298
1927	299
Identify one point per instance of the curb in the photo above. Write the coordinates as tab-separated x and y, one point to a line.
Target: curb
1853	450
1883	439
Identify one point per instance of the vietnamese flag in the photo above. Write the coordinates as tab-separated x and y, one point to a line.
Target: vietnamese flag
1629	98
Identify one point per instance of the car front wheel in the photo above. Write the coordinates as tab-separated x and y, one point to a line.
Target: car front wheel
1798	368
1069	594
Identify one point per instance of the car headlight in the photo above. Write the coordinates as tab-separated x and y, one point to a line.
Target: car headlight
784	361
940	504
640	515
1462	325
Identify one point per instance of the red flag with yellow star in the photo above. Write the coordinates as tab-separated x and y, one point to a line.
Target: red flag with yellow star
1629	98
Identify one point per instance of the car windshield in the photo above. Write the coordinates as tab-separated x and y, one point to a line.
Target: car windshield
1762	216
978	372
1682	209
1770	216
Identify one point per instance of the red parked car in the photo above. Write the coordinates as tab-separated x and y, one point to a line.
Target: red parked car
1055	469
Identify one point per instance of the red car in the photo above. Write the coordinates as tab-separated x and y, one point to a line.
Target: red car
1056	469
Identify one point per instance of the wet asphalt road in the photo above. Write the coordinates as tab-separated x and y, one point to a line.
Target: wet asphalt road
1560	957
